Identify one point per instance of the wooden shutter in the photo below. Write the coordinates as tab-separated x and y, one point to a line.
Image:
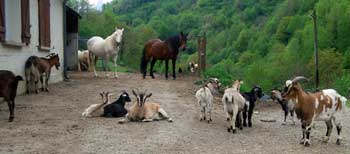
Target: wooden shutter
2	20
25	18
44	23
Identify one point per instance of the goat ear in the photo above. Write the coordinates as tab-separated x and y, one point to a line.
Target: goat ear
149	95
133	91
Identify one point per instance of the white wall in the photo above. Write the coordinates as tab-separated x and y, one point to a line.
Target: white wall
13	58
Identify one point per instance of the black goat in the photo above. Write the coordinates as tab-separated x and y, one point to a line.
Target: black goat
8	89
117	108
251	97
287	105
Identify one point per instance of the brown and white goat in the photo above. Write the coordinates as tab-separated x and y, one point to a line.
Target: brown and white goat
145	112
96	110
320	106
8	89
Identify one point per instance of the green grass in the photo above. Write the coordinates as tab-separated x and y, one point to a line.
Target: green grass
111	67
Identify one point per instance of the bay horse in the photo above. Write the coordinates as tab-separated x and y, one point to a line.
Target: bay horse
39	67
157	49
106	48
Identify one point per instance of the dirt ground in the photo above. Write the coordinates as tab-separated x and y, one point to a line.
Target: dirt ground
52	123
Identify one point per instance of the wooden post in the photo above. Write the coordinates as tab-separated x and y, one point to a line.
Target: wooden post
201	49
317	79
203	53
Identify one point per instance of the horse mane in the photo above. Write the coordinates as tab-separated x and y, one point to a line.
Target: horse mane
174	42
51	55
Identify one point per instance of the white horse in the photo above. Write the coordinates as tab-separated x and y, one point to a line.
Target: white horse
106	48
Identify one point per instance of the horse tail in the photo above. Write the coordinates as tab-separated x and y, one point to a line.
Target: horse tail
143	65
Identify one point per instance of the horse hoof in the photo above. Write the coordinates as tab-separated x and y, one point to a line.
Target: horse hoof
228	129
245	124
11	119
208	121
234	131
249	125
241	128
338	142
306	144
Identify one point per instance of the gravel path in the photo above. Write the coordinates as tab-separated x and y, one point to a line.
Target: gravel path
52	123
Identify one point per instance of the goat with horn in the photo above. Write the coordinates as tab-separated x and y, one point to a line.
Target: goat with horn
325	105
145	112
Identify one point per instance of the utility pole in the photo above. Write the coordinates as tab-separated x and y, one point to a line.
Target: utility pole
314	18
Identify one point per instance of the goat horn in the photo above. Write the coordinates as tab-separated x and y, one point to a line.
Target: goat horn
296	79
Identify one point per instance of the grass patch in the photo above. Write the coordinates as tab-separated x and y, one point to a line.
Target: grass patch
111	67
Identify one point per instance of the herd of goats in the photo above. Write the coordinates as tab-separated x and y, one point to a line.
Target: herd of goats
327	105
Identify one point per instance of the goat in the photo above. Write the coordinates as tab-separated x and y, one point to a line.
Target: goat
320	106
234	104
96	110
251	97
205	98
8	89
40	67
145	112
84	60
287	105
117	108
192	67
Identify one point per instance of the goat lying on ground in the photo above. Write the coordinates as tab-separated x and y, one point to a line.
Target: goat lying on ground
287	105
234	104
117	108
251	97
145	112
96	110
205	98
320	106
8	90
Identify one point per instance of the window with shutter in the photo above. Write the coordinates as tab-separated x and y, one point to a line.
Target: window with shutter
25	18
2	20
44	24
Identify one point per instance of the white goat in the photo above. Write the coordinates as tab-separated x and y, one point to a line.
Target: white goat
96	110
233	106
205	98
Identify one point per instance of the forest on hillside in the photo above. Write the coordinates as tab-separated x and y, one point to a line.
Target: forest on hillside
264	42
